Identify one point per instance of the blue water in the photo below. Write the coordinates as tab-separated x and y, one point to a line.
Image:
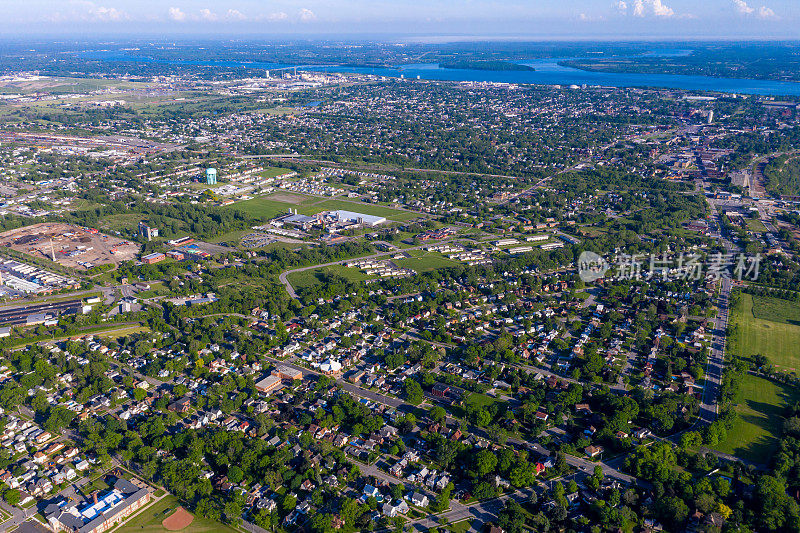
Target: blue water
547	72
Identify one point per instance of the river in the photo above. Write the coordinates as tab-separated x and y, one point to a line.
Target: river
547	72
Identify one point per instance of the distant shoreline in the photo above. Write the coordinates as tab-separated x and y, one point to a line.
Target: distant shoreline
479	64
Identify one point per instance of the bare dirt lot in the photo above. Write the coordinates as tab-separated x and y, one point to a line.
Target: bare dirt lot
72	246
178	520
287	197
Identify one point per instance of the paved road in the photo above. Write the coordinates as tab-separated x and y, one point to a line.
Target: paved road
18	516
485	511
716	361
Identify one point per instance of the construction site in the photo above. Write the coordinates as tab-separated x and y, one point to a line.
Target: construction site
68	245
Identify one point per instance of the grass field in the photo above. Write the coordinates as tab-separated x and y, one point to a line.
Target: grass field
367	209
776	310
476	400
125	222
768	326
760	405
462	526
756	225
480	400
272	172
426	262
149	520
266	207
307	278
231	236
100	331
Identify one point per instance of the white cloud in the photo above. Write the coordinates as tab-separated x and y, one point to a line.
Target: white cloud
176	14
109	14
742	7
766	13
661	10
763	12
207	14
622	6
87	10
276	16
643	8
306	15
235	14
583	17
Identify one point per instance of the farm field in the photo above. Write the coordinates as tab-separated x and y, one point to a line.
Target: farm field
768	326
149	520
760	405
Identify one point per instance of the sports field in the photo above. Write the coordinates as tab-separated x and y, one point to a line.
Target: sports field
771	327
149	520
760	405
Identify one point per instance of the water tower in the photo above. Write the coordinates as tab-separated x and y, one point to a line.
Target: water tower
211	176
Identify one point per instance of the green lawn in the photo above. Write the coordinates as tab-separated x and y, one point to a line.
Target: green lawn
149	520
157	288
776	310
426	262
768	326
123	222
267	207
109	331
307	278
480	400
475	400
273	172
459	527
231	236
362	207
262	208
760	405
753	224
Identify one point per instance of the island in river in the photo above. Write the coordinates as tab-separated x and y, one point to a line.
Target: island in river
484	64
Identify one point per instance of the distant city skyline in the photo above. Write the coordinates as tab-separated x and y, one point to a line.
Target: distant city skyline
534	19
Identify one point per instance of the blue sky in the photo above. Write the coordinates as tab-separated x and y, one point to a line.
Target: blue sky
538	19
